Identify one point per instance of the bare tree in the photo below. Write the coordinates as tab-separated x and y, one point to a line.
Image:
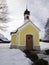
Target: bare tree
3	14
47	30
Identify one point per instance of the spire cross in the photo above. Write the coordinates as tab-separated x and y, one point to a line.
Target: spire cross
27	4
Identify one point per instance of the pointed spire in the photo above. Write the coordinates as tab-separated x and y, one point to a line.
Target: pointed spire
26	6
26	12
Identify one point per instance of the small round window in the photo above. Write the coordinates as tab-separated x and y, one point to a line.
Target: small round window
28	37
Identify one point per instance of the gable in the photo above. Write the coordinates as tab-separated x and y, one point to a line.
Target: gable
29	26
28	29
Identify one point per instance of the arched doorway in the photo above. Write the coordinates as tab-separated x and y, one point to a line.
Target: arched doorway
29	42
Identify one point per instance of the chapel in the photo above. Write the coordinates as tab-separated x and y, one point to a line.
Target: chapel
27	35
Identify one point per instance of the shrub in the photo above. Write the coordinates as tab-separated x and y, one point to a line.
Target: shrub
41	62
47	51
26	51
31	55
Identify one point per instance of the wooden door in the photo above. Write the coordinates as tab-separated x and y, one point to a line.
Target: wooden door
29	42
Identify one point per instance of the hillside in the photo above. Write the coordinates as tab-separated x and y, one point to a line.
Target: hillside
3	38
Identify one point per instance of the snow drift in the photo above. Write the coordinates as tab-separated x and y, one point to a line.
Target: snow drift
13	57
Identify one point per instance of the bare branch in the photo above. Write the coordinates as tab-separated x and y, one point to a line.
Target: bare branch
3	14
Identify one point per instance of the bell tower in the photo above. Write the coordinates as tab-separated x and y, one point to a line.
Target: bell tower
26	14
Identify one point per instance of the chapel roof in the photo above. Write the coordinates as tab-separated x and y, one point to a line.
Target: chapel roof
29	21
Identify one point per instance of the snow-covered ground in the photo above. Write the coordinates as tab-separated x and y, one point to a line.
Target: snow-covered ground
16	56
5	46
43	56
43	45
13	57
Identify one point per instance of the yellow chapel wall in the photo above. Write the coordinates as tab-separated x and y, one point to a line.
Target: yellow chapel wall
13	39
29	29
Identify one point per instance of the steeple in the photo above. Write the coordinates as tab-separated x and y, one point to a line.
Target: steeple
26	12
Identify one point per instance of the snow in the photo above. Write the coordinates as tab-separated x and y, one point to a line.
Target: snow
5	45
17	57
41	56
13	57
47	59
3	38
44	45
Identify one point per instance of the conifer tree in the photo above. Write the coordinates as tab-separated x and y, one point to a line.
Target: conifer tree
47	30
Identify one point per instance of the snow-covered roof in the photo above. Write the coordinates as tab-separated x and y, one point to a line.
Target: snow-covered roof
26	22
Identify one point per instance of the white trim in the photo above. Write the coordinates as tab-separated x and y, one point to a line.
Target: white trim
35	27
28	24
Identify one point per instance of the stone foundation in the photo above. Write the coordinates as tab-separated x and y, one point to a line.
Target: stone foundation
17	47
13	46
23	47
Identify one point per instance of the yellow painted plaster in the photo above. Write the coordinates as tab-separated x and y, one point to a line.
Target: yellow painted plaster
29	29
13	39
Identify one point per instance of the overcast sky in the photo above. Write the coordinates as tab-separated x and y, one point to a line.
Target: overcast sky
39	10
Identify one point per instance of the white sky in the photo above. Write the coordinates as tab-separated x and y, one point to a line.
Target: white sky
39	13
